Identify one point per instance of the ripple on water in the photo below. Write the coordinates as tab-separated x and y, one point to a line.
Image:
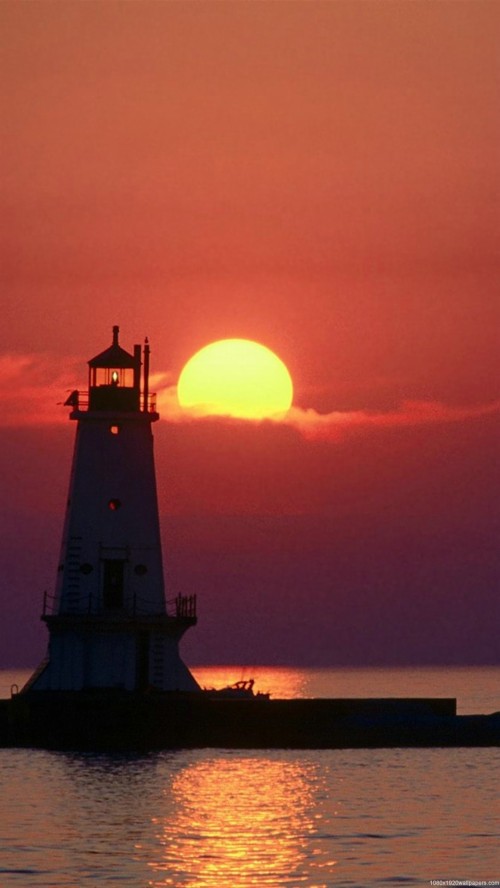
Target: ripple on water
214	819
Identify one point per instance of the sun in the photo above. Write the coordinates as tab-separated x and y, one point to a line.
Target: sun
236	377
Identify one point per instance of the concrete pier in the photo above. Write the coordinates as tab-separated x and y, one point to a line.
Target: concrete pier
124	721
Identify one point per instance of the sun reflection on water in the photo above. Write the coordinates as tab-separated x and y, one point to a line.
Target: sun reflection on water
238	821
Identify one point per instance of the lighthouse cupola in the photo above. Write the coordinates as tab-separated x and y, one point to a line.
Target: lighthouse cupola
115	378
109	621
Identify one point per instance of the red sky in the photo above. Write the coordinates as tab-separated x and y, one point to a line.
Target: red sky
320	177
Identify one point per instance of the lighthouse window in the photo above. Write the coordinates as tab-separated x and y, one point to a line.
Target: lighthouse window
114	429
86	568
114	504
113	582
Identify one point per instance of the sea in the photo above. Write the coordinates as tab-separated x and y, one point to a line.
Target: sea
265	818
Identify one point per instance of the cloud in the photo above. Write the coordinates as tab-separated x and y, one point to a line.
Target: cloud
337	424
33	387
410	413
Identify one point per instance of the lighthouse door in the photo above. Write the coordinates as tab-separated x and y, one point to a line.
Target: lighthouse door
113	583
142	661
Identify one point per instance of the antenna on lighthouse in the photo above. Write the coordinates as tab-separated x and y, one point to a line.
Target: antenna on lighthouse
147	351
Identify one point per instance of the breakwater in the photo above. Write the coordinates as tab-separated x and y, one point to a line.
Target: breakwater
131	721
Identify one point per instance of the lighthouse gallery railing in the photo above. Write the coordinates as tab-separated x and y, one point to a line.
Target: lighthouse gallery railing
180	607
79	400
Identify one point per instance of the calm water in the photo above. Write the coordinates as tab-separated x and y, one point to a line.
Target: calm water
279	818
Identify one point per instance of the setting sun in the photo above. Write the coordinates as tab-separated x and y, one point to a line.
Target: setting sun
236	377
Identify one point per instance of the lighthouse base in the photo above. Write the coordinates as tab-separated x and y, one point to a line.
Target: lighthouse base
128	722
115	652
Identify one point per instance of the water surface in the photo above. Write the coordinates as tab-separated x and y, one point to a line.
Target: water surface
239	819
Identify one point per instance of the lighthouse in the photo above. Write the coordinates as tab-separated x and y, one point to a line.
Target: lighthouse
110	626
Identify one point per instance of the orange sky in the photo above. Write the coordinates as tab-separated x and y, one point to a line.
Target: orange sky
323	178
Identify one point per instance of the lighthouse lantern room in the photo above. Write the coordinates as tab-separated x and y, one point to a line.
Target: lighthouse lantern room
108	622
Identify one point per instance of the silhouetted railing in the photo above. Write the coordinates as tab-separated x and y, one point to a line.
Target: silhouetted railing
80	401
181	607
185	606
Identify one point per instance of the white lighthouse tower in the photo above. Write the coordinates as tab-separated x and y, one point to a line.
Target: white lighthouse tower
109	623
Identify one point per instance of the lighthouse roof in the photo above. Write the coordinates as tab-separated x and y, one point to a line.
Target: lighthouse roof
114	356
